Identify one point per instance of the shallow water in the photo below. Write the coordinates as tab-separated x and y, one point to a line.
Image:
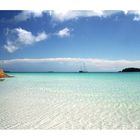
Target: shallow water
70	101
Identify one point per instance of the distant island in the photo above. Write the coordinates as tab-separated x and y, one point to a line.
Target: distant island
131	70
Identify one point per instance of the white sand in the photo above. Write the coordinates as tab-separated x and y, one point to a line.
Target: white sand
53	111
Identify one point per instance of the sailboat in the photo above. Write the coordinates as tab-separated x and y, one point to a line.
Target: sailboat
83	69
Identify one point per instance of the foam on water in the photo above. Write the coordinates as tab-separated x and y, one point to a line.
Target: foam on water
70	101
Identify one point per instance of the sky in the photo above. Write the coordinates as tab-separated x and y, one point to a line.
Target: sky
40	41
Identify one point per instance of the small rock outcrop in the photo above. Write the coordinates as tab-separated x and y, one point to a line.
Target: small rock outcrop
131	70
3	74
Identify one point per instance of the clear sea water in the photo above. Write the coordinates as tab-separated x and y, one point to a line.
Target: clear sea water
70	101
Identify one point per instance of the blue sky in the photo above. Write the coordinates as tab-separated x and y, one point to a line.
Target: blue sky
64	40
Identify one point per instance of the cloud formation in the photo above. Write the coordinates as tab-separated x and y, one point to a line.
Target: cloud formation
18	38
25	15
63	15
136	14
75	14
92	64
64	33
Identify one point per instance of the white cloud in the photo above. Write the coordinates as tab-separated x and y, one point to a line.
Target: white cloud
23	36
18	37
10	47
75	14
92	64
41	36
136	14
63	15
25	15
64	32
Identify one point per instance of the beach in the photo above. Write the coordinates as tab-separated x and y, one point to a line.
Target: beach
70	101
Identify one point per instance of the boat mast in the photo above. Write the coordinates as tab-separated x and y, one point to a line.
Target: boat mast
84	67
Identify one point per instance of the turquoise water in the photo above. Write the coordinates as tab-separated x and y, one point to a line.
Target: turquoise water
70	101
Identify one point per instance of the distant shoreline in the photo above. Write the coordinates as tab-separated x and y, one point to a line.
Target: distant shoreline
131	69
71	72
